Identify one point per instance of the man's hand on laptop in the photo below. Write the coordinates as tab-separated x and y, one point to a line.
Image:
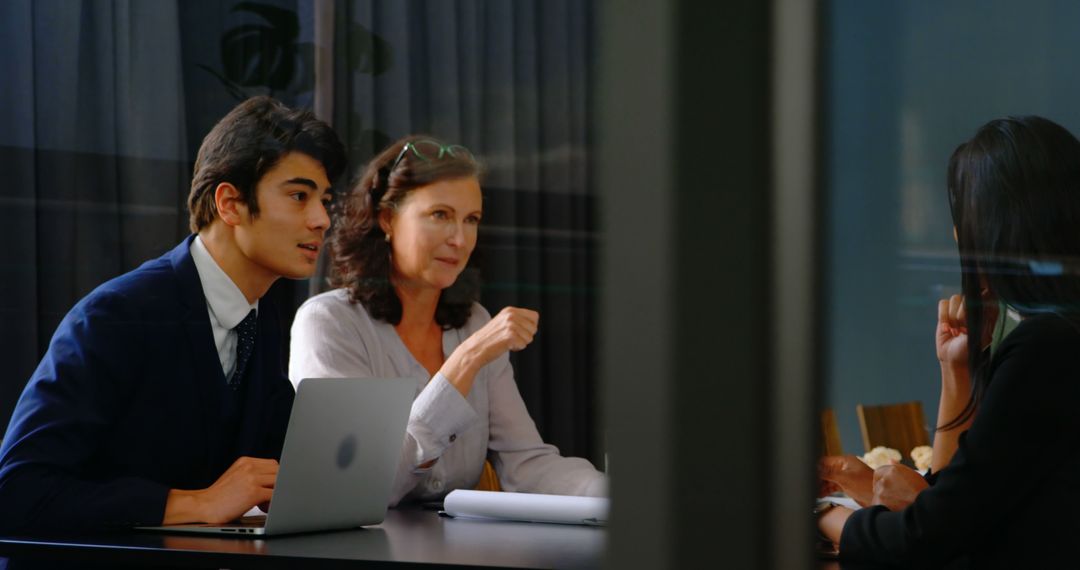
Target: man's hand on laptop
248	482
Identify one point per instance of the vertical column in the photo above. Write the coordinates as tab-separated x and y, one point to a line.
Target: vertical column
796	309
635	106
694	212
324	60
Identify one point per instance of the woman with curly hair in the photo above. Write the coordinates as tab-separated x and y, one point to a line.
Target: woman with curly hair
398	249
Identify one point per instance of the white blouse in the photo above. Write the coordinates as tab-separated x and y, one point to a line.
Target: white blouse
332	337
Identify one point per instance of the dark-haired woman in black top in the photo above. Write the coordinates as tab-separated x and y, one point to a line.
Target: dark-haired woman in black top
1010	494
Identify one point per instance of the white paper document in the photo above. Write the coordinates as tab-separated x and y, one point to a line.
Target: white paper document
843	502
527	507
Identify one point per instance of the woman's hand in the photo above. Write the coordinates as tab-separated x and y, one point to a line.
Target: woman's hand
848	472
510	330
896	486
951	334
951	339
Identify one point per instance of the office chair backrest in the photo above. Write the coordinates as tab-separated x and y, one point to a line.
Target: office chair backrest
489	480
899	426
830	434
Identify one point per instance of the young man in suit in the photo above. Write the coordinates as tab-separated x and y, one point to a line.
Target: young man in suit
162	398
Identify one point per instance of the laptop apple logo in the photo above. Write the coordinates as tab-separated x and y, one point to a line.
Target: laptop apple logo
346	451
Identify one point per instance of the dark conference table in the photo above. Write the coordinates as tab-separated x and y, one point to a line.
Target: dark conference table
408	538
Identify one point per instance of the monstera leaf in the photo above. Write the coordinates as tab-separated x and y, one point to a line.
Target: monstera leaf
266	54
367	52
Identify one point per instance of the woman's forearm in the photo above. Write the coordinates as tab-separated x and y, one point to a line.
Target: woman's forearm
831	524
955	391
460	370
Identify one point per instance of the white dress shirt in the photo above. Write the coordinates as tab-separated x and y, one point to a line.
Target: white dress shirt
224	301
334	338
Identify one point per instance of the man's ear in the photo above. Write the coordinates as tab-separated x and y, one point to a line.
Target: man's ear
231	207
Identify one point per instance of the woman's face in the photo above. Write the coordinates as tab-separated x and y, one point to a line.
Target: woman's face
433	232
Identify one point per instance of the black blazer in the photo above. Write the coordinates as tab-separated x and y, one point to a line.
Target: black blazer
1009	497
126	404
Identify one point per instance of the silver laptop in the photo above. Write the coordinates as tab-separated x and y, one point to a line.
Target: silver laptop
338	463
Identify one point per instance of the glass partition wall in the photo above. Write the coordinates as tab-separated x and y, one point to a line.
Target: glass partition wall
105	104
904	84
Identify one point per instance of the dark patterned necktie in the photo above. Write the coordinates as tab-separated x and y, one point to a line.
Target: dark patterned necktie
245	343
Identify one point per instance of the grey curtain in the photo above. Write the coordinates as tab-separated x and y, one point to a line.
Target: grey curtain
93	147
105	103
103	107
512	81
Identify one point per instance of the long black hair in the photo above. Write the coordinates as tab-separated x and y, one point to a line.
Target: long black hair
1014	193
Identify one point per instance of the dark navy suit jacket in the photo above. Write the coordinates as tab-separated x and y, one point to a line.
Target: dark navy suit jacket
127	402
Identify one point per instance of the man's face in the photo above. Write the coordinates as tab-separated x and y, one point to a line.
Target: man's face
284	239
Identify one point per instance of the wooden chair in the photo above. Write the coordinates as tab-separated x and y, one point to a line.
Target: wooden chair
489	480
830	434
899	426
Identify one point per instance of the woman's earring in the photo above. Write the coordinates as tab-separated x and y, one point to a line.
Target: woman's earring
386	238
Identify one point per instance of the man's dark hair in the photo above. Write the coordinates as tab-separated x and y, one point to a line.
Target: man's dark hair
247	143
359	252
